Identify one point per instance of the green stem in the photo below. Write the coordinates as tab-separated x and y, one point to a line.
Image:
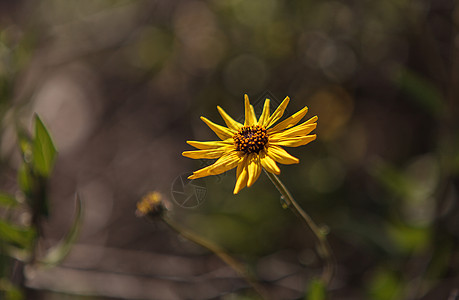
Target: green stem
234	264
324	248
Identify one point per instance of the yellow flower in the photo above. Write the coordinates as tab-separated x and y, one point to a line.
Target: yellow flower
254	144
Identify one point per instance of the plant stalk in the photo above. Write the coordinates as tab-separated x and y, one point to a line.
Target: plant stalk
324	248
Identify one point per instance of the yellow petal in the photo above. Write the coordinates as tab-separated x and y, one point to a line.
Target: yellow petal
241	176
222	132
265	114
254	169
223	164
281	156
250	118
312	120
207	154
210	144
294	132
290	121
277	114
254	116
269	164
230	122
296	141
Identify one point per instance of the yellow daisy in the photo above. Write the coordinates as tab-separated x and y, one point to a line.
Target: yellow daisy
254	144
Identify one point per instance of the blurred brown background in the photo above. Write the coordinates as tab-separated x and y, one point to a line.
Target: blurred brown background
121	85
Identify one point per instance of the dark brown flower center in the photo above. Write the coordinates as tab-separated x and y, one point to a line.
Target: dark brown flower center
250	139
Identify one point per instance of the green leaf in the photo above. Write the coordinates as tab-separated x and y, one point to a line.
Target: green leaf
35	189
57	253
43	150
317	290
7	200
25	179
24	143
8	291
20	254
16	235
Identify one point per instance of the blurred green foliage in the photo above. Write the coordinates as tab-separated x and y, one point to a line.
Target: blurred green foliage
19	239
423	93
43	151
317	290
385	284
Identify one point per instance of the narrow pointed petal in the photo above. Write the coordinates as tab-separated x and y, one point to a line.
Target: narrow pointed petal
290	121
241	176
207	154
296	141
223	164
294	132
281	156
222	132
210	144
310	121
254	169
253	115
230	122
265	114
269	164
277	114
250	118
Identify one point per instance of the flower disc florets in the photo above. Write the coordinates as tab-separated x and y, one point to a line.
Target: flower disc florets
251	139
